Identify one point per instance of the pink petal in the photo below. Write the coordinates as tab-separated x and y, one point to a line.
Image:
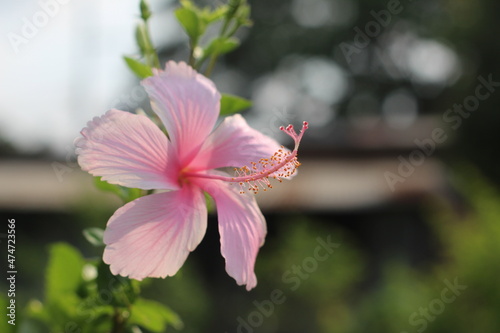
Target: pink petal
128	150
234	144
188	104
242	229
153	235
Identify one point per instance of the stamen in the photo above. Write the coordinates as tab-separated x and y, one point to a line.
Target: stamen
282	164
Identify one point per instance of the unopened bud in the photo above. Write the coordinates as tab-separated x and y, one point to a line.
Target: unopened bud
145	11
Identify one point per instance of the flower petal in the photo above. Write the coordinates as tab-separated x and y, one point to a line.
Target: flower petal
242	229
153	235
188	104
234	144
128	150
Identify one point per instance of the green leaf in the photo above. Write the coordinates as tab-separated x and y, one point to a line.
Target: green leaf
62	310
209	202
220	45
123	291
215	15
107	187
145	11
139	69
133	193
189	5
101	321
190	21
64	271
230	104
233	7
125	193
154	316
142	38
94	236
243	16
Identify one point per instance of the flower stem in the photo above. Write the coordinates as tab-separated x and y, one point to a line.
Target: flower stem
144	38
211	65
118	322
192	46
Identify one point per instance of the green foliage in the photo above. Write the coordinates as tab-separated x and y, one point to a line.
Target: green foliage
471	244
145	11
94	236
62	280
124	193
209	202
190	21
122	292
333	298
387	308
195	21
4	325
142	38
319	295
83	296
141	70
230	104
219	46
188	294
211	16
145	44
63	272
154	316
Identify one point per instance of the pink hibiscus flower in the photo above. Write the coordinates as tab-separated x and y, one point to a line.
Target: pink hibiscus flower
153	235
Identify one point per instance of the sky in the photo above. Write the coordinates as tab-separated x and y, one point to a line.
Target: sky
61	64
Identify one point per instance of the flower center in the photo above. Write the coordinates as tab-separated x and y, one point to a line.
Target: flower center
184	176
281	165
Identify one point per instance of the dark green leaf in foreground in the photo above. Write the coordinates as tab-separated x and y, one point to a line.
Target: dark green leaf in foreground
64	272
122	291
154	316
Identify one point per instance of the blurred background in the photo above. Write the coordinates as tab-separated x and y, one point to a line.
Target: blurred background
399	167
